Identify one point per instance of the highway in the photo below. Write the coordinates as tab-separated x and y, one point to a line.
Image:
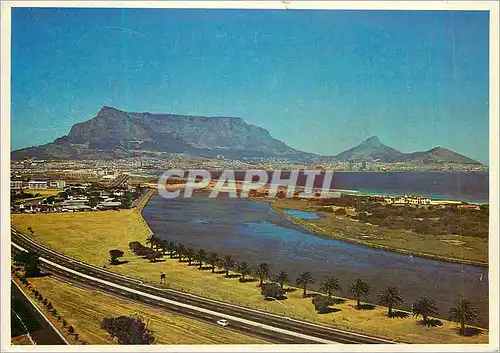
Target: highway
45	332
119	181
270	327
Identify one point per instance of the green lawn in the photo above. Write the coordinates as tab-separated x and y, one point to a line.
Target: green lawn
89	236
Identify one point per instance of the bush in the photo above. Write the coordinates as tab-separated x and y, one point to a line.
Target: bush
128	330
272	290
134	245
321	303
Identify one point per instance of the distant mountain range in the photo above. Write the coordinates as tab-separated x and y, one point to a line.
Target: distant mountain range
113	133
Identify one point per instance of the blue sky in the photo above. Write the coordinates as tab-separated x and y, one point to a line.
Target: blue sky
322	81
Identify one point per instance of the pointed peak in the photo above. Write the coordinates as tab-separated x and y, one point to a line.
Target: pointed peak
373	141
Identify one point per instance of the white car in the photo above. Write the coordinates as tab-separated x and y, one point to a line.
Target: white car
222	322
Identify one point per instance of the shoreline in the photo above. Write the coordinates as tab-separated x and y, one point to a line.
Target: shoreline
317	230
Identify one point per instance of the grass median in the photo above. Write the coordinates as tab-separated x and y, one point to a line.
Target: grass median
84	309
89	236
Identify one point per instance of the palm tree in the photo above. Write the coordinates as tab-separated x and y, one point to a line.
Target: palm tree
227	263
213	259
190	253
181	251
303	280
424	306
171	247
360	289
463	313
245	269
390	297
152	240
201	255
330	285
162	245
262	271
282	278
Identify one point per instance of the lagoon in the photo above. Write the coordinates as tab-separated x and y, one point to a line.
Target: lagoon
251	231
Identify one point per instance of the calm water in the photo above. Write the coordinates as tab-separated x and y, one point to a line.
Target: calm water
251	231
302	214
471	187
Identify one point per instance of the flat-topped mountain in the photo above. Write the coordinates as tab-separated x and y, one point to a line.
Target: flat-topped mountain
114	133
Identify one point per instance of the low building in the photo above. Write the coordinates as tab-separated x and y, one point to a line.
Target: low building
469	207
110	205
57	184
16	185
408	200
37	184
75	208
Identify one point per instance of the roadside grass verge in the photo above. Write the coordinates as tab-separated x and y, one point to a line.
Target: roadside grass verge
84	309
89	236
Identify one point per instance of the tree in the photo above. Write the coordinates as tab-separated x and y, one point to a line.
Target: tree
463	313
213	259
128	330
360	289
162	245
304	280
190	253
390	297
152	240
31	231
321	303
330	285
153	255
50	306
245	269
181	250
201	256
134	245
143	251
31	263
262	271
171	247
71	330
114	255
227	263
272	290
282	278
425	307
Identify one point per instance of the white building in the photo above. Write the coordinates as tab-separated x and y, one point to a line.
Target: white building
57	184
16	185
37	184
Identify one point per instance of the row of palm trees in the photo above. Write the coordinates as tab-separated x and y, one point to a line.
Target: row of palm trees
390	297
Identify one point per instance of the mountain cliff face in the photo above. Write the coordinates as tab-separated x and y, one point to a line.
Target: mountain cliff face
115	133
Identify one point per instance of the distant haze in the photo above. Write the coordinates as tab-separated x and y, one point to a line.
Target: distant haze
320	81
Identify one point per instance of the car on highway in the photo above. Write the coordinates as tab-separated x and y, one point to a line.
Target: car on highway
222	322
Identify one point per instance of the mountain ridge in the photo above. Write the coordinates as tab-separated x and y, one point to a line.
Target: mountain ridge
114	133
